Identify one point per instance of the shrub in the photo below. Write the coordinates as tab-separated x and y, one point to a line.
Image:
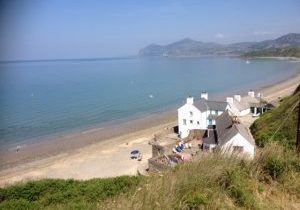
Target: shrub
52	192
196	200
274	167
271	127
237	183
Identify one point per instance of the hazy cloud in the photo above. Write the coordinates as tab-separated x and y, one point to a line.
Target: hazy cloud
262	33
219	36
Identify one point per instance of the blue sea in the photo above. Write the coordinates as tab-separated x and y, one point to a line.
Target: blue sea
42	98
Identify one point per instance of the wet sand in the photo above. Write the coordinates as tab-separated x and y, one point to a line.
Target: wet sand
69	143
101	152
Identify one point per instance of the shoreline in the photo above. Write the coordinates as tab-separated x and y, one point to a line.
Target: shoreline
289	58
67	143
77	155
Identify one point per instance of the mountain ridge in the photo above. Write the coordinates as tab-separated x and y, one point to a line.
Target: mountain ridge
190	47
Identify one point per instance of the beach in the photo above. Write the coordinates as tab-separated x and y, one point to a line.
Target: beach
104	151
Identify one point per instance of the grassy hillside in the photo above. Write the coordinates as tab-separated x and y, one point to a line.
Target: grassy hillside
274	52
265	127
270	181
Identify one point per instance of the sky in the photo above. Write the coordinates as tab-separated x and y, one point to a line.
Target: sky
66	29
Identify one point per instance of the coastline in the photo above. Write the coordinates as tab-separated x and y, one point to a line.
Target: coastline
67	143
296	59
102	152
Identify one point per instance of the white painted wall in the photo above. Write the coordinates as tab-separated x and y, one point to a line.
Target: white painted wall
244	112
239	140
203	119
235	111
184	113
198	116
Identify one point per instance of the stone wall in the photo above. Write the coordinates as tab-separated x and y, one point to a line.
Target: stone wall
157	150
157	164
196	134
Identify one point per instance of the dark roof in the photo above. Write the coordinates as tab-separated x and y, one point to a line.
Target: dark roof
226	129
223	123
211	137
204	105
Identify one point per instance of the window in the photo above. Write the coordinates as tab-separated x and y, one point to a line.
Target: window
238	148
191	121
184	121
206	147
210	122
191	114
216	112
198	123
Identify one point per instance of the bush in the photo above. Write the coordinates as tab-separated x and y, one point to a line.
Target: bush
274	167
265	129
237	183
52	192
196	200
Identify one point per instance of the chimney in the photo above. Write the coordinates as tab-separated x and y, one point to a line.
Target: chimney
258	95
235	120
251	93
237	97
229	100
204	95
190	100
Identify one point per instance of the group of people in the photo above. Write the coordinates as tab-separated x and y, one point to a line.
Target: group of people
180	146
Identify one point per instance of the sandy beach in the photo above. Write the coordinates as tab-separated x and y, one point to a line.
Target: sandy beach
102	152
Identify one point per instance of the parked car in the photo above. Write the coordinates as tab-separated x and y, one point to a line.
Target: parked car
136	154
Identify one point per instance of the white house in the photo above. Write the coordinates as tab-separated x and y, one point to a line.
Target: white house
241	106
200	114
230	137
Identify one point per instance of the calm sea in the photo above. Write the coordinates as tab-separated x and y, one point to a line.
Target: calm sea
38	99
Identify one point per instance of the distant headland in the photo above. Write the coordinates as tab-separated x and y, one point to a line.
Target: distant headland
287	46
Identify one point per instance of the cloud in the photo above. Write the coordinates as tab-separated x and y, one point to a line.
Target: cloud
262	33
219	36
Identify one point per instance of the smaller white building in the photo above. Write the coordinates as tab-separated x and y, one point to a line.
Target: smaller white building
230	137
200	114
241	106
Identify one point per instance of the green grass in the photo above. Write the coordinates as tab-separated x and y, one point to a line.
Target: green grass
271	181
68	193
264	128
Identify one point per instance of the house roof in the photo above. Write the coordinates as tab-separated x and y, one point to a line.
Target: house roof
204	105
211	137
252	100
247	102
227	129
223	123
241	105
